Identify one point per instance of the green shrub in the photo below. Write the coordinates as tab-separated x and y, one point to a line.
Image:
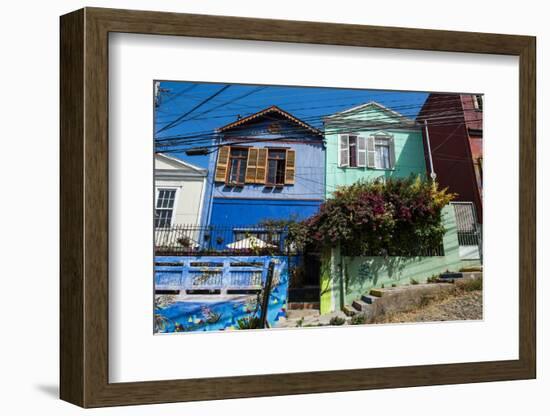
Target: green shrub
358	319
434	278
336	320
414	281
248	322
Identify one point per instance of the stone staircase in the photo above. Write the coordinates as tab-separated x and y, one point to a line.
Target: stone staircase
364	304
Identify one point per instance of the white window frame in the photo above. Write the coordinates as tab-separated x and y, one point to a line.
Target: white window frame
340	164
360	149
176	195
389	138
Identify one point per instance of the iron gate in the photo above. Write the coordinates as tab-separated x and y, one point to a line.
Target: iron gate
468	231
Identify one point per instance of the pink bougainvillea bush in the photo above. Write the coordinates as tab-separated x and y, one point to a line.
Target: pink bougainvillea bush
395	217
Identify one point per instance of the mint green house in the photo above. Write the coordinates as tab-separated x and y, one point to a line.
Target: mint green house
371	142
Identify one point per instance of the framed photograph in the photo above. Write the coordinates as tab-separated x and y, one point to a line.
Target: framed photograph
256	207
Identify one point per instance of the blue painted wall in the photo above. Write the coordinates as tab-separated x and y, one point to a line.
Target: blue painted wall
190	313
246	205
242	212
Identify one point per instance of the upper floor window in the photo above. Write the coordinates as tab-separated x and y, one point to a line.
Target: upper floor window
237	165
164	207
382	158
276	167
374	151
255	165
352	151
478	102
352	146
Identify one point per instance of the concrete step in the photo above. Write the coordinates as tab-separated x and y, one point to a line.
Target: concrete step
472	275
369	299
377	292
360	306
349	310
472	269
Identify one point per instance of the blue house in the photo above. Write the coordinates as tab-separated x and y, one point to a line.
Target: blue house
267	166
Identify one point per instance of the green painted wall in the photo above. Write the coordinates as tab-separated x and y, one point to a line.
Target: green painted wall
360	274
409	151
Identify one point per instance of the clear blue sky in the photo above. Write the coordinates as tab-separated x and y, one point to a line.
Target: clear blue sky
308	104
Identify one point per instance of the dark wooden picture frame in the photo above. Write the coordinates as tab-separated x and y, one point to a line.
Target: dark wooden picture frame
84	207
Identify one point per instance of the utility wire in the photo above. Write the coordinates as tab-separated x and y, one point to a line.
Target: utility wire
179	119
338	122
239	139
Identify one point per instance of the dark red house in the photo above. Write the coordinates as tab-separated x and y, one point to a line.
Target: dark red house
454	126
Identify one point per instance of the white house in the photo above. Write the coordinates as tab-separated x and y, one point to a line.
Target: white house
179	192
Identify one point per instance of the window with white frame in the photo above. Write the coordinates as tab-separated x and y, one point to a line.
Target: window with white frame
353	151
382	159
374	151
164	207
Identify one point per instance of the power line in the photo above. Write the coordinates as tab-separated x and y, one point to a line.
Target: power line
348	112
334	121
179	119
178	94
175	146
240	97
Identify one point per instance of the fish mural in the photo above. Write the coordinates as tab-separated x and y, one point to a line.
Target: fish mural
185	314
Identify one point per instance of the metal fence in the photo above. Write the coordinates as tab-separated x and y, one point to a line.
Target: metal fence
468	230
183	239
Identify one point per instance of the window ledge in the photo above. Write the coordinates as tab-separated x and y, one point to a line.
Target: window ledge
365	168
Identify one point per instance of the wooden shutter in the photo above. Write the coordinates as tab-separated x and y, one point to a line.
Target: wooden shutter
391	143
251	165
290	167
221	166
261	166
361	151
343	151
371	157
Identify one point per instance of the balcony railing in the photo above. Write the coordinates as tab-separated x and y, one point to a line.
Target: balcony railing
183	239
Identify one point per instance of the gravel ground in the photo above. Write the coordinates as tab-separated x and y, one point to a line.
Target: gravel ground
464	306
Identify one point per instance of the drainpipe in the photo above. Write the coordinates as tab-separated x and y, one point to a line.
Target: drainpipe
433	175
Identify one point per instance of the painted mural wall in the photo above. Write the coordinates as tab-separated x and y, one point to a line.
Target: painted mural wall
195	312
